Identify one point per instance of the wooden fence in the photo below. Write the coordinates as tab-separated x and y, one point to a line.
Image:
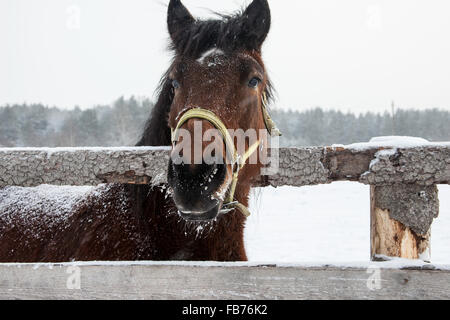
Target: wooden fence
404	202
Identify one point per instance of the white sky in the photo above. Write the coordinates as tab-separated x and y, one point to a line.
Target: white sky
349	54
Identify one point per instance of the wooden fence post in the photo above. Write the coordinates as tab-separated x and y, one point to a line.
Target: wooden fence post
401	218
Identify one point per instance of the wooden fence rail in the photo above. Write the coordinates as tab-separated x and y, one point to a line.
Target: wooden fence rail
232	281
425	166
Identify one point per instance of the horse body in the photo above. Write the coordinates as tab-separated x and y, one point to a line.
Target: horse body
140	222
104	224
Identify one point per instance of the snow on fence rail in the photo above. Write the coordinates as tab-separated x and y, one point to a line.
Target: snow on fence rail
404	201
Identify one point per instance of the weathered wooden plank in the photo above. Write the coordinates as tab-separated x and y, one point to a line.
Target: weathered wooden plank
297	166
401	218
414	206
421	166
82	166
137	281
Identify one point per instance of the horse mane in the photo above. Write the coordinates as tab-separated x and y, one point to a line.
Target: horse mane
157	131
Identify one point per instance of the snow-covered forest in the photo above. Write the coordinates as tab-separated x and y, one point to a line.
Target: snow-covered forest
36	125
119	124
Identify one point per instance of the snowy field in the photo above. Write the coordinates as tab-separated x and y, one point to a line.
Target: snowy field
327	223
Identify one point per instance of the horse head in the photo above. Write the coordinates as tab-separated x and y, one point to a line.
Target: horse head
219	89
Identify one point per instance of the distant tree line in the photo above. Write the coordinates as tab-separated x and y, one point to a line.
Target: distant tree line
120	124
36	125
316	127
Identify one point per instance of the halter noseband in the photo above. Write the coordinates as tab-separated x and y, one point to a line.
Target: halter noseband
237	161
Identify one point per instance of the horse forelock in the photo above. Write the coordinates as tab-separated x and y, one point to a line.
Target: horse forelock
205	35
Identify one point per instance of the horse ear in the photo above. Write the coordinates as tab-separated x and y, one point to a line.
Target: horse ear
255	24
179	20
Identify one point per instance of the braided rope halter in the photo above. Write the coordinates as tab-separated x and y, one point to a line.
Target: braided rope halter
237	161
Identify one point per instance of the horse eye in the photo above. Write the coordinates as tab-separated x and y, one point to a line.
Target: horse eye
254	82
175	84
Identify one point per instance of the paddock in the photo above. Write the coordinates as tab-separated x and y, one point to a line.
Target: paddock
404	202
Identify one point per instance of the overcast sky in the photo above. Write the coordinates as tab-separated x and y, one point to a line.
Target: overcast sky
349	54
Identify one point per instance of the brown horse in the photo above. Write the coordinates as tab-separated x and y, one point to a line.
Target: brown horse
217	67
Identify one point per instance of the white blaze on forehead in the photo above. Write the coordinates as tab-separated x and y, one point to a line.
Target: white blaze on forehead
210	53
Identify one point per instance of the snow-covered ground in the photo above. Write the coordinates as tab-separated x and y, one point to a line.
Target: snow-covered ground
327	223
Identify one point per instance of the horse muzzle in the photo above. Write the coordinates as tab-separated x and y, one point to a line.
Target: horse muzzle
195	189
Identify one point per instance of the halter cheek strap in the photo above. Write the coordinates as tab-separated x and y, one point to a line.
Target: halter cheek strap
270	124
237	161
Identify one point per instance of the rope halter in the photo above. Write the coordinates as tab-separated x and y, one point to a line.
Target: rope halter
237	161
